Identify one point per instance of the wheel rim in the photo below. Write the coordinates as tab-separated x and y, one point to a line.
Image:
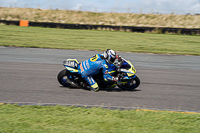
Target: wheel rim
130	85
64	81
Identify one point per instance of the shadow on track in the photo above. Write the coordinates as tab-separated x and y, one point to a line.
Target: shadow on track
117	89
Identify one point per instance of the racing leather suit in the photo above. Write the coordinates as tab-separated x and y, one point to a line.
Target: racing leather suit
92	66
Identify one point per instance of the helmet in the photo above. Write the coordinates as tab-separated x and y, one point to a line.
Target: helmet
110	56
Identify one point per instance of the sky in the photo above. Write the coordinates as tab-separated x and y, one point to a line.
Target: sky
121	6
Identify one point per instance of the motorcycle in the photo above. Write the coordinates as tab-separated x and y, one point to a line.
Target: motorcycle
124	71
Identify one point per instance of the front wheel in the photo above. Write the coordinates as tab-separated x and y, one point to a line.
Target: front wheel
62	78
131	85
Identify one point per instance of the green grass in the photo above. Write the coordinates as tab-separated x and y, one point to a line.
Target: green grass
98	40
51	119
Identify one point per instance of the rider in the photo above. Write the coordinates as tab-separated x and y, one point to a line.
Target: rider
93	66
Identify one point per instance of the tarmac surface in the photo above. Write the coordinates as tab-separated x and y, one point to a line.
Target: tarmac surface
169	82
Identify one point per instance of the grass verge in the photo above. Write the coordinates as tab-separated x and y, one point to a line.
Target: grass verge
14	118
98	40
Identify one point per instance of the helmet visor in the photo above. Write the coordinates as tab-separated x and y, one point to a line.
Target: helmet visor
112	60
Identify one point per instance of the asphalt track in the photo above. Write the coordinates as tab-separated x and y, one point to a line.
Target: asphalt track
169	82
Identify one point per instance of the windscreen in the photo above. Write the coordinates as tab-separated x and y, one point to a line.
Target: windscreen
125	65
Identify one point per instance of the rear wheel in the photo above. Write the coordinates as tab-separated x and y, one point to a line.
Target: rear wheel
62	78
133	84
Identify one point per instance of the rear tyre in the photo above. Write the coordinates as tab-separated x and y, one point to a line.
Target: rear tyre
62	78
131	86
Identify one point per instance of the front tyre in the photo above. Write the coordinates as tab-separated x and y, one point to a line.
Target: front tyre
133	84
62	78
